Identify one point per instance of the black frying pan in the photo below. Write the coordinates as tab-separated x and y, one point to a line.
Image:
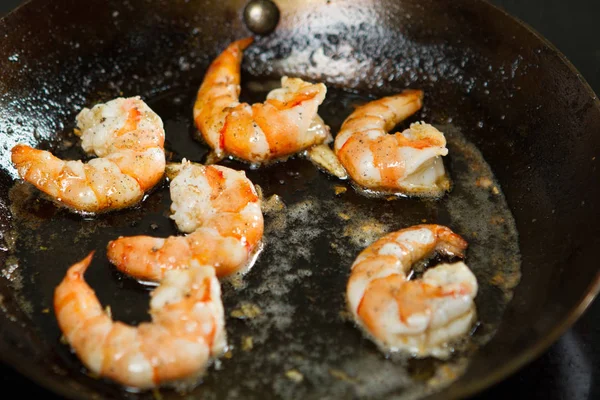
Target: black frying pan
495	88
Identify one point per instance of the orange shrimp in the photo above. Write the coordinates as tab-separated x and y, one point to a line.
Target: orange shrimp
418	316
220	210
128	138
186	332
285	124
407	162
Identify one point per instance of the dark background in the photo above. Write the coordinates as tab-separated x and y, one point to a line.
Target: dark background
570	369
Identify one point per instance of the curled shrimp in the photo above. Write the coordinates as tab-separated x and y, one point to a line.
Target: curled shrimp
220	211
419	316
186	332
407	162
128	139
285	124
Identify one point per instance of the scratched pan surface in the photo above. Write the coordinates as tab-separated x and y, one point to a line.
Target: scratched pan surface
522	131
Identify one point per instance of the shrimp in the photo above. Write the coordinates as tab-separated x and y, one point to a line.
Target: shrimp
419	316
220	211
407	162
186	332
285	124
128	139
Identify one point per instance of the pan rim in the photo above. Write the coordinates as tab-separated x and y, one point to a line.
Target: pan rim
499	373
15	10
588	296
528	356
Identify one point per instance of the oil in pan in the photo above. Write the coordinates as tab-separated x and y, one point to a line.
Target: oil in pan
288	329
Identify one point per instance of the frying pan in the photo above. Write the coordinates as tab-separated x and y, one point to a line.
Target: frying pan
489	80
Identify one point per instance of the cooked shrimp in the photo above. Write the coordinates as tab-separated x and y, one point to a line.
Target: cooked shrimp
286	123
220	210
407	162
186	332
419	316
128	139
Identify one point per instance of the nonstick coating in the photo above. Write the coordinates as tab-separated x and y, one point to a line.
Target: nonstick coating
509	92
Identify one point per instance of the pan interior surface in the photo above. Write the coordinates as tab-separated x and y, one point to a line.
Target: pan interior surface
287	316
288	331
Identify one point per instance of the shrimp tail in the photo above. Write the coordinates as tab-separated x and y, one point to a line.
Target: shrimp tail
20	157
242	44
228	59
449	243
78	269
74	294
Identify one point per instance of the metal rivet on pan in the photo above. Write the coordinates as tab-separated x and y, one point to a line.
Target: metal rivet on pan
261	16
